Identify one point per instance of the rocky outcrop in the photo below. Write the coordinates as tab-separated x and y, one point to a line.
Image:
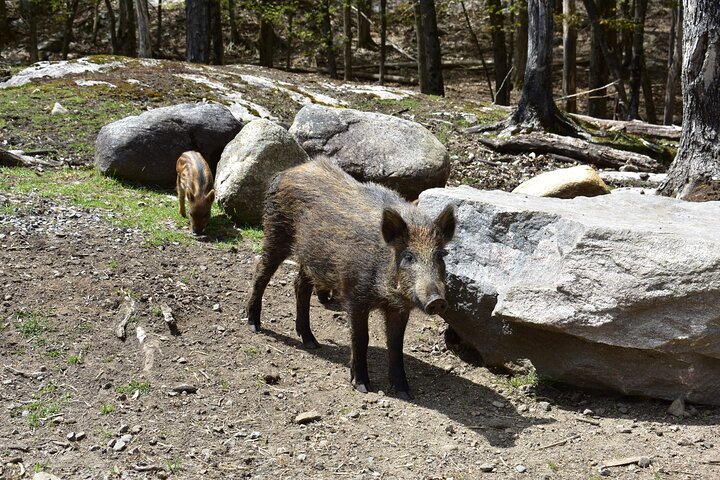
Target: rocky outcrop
397	153
580	181
248	163
614	292
145	148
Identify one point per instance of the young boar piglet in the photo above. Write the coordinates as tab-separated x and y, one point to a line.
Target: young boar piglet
364	243
195	183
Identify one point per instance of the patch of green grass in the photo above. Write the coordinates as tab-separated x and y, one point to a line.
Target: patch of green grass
107	408
518	381
255	236
250	350
156	310
133	386
174	465
75	359
46	403
54	353
33	327
113	264
224	385
554	467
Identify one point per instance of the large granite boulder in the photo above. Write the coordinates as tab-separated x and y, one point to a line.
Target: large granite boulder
398	153
248	164
144	148
614	292
579	181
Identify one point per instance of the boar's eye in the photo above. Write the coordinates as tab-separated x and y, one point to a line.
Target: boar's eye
406	258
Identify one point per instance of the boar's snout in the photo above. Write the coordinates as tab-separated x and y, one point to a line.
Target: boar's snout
436	305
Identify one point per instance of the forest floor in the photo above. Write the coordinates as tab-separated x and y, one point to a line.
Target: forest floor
79	253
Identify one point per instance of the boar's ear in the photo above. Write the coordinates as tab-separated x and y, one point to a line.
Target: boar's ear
446	223
210	197
394	228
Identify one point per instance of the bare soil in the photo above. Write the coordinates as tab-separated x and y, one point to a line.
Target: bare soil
66	279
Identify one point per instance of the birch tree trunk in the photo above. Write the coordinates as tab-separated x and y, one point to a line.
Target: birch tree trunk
569	55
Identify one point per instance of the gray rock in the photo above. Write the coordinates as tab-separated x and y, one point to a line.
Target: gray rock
544	406
677	408
307	417
144	148
487	467
585	288
644	462
395	152
520	468
45	476
119	445
248	163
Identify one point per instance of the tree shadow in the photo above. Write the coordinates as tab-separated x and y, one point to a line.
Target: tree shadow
434	388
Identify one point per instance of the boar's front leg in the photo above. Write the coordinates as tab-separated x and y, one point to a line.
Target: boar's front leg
181	197
395	323
358	364
303	292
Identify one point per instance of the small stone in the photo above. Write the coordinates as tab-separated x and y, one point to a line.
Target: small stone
70	436
498	404
181	360
307	417
623	429
684	442
272	378
353	414
674	428
254	435
623	409
44	476
448	448
644	462
126	438
323	444
604	472
302	457
58	109
216	307
544	406
487	467
520	468
677	407
282	451
450	430
185	388
587	411
119	445
79	436
124	428
136	429
523	408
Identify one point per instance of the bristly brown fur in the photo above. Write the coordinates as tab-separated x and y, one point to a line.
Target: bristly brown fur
362	241
195	183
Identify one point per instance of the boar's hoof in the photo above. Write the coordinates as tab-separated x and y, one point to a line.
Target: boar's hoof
405	395
253	327
362	387
311	343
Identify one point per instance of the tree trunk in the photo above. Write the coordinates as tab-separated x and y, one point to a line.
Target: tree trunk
626	33
674	62
143	29
608	55
96	18
5	32
113	32
328	35
598	72
126	29
569	55
647	92
364	8
266	43
158	33
71	7
536	107
291	23
497	25
636	62
217	47
476	43
197	31
383	39
433	62
347	40
232	20
420	39
520	45
695	173
29	12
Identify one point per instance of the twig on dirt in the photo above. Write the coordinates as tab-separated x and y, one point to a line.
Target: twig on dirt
588	420
559	442
99	374
18	447
274	348
204	375
129	310
621	462
22	469
147	468
712	461
24	374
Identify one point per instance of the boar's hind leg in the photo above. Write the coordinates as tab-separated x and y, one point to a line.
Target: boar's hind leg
360	338
276	248
303	292
395	323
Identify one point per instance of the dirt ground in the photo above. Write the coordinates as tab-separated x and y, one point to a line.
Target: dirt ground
79	402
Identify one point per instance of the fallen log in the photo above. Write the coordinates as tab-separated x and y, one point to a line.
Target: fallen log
636	127
575	148
11	159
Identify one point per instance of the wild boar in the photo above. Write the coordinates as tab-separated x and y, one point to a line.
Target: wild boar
363	243
195	183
